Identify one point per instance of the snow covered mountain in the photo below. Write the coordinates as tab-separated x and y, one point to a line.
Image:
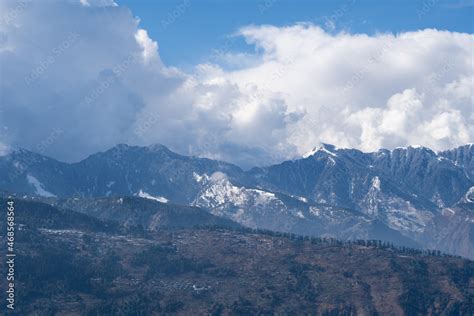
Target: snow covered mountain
412	190
410	196
258	208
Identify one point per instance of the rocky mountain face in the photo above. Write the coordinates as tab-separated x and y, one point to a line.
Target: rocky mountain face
412	190
463	157
410	196
258	208
348	177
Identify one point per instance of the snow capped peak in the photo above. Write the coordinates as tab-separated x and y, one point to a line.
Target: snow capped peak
323	148
310	153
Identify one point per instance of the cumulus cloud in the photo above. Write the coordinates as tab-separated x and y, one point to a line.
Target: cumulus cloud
149	47
366	91
93	74
88	71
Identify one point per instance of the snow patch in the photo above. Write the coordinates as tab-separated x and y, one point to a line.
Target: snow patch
148	196
376	183
408	219
469	196
40	190
299	214
302	199
315	211
437	199
448	211
200	178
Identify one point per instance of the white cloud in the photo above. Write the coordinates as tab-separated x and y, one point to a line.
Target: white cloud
365	91
98	3
149	47
95	75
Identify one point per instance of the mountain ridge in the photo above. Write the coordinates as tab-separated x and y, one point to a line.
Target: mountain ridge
412	191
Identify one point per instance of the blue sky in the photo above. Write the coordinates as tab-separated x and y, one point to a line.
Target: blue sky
201	26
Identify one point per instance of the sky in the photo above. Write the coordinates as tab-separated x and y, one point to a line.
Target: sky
206	25
249	82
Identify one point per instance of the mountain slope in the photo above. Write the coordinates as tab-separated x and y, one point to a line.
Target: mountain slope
30	214
408	189
149	214
233	272
257	208
127	214
412	194
462	156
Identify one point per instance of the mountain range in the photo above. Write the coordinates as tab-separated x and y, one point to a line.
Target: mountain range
409	196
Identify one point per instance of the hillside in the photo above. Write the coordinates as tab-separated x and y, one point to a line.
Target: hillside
226	271
74	263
